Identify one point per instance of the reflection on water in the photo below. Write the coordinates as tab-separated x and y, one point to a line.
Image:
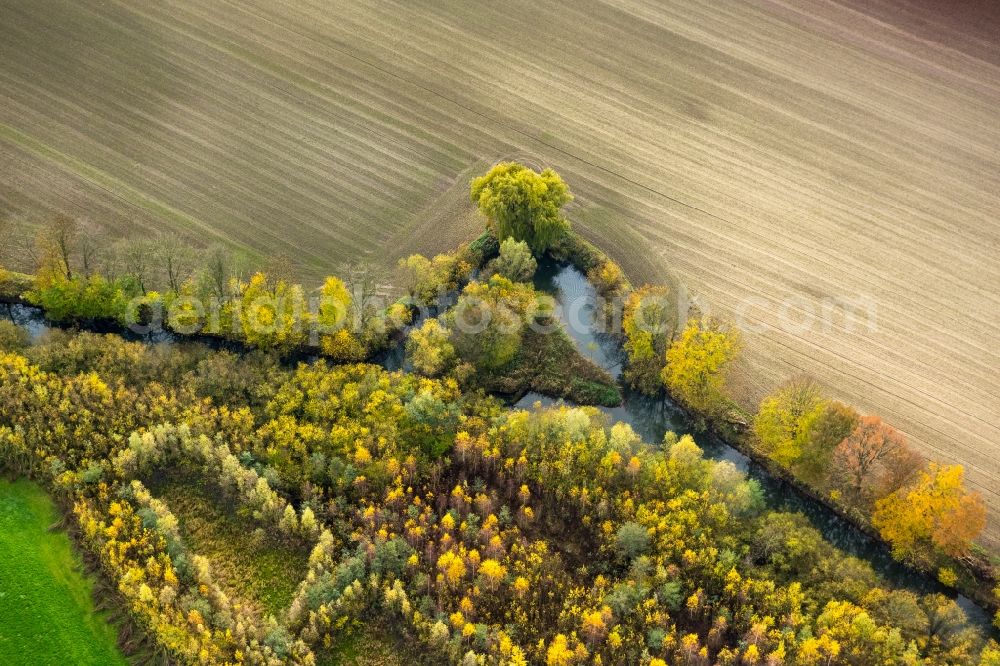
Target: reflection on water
30	319
578	308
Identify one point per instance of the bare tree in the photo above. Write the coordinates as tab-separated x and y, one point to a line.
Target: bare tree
28	248
279	268
57	244
137	257
218	270
89	245
177	259
366	283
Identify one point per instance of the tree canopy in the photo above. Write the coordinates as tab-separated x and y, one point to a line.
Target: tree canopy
934	513
523	204
697	363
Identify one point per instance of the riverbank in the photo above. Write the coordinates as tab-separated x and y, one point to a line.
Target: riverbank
975	575
549	364
781	496
336	321
979	589
606	351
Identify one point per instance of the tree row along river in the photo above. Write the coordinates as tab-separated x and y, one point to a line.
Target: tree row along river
650	417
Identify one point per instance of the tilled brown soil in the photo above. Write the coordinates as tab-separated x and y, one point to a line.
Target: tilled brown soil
773	156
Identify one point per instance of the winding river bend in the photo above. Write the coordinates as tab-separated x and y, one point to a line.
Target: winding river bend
576	307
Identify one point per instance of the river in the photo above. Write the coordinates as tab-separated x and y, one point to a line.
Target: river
576	307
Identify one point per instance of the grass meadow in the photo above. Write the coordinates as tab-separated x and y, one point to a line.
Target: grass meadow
46	609
257	568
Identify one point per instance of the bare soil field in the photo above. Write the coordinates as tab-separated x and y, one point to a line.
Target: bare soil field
790	153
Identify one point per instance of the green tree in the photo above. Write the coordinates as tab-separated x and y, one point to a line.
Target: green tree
488	322
860	638
824	430
81	297
632	540
515	261
782	419
948	638
523	204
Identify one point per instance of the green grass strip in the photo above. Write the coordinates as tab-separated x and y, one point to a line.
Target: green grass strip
46	610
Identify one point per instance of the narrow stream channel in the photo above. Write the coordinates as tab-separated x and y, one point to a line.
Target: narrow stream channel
651	418
577	308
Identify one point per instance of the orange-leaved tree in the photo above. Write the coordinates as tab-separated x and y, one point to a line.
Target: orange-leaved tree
935	513
875	459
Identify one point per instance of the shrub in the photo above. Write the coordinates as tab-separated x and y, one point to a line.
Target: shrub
515	261
483	248
83	298
13	337
13	285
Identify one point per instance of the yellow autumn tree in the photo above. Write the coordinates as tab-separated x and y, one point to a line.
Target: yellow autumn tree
559	652
648	322
934	513
697	363
797	424
429	348
493	572
338	337
334	306
271	316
